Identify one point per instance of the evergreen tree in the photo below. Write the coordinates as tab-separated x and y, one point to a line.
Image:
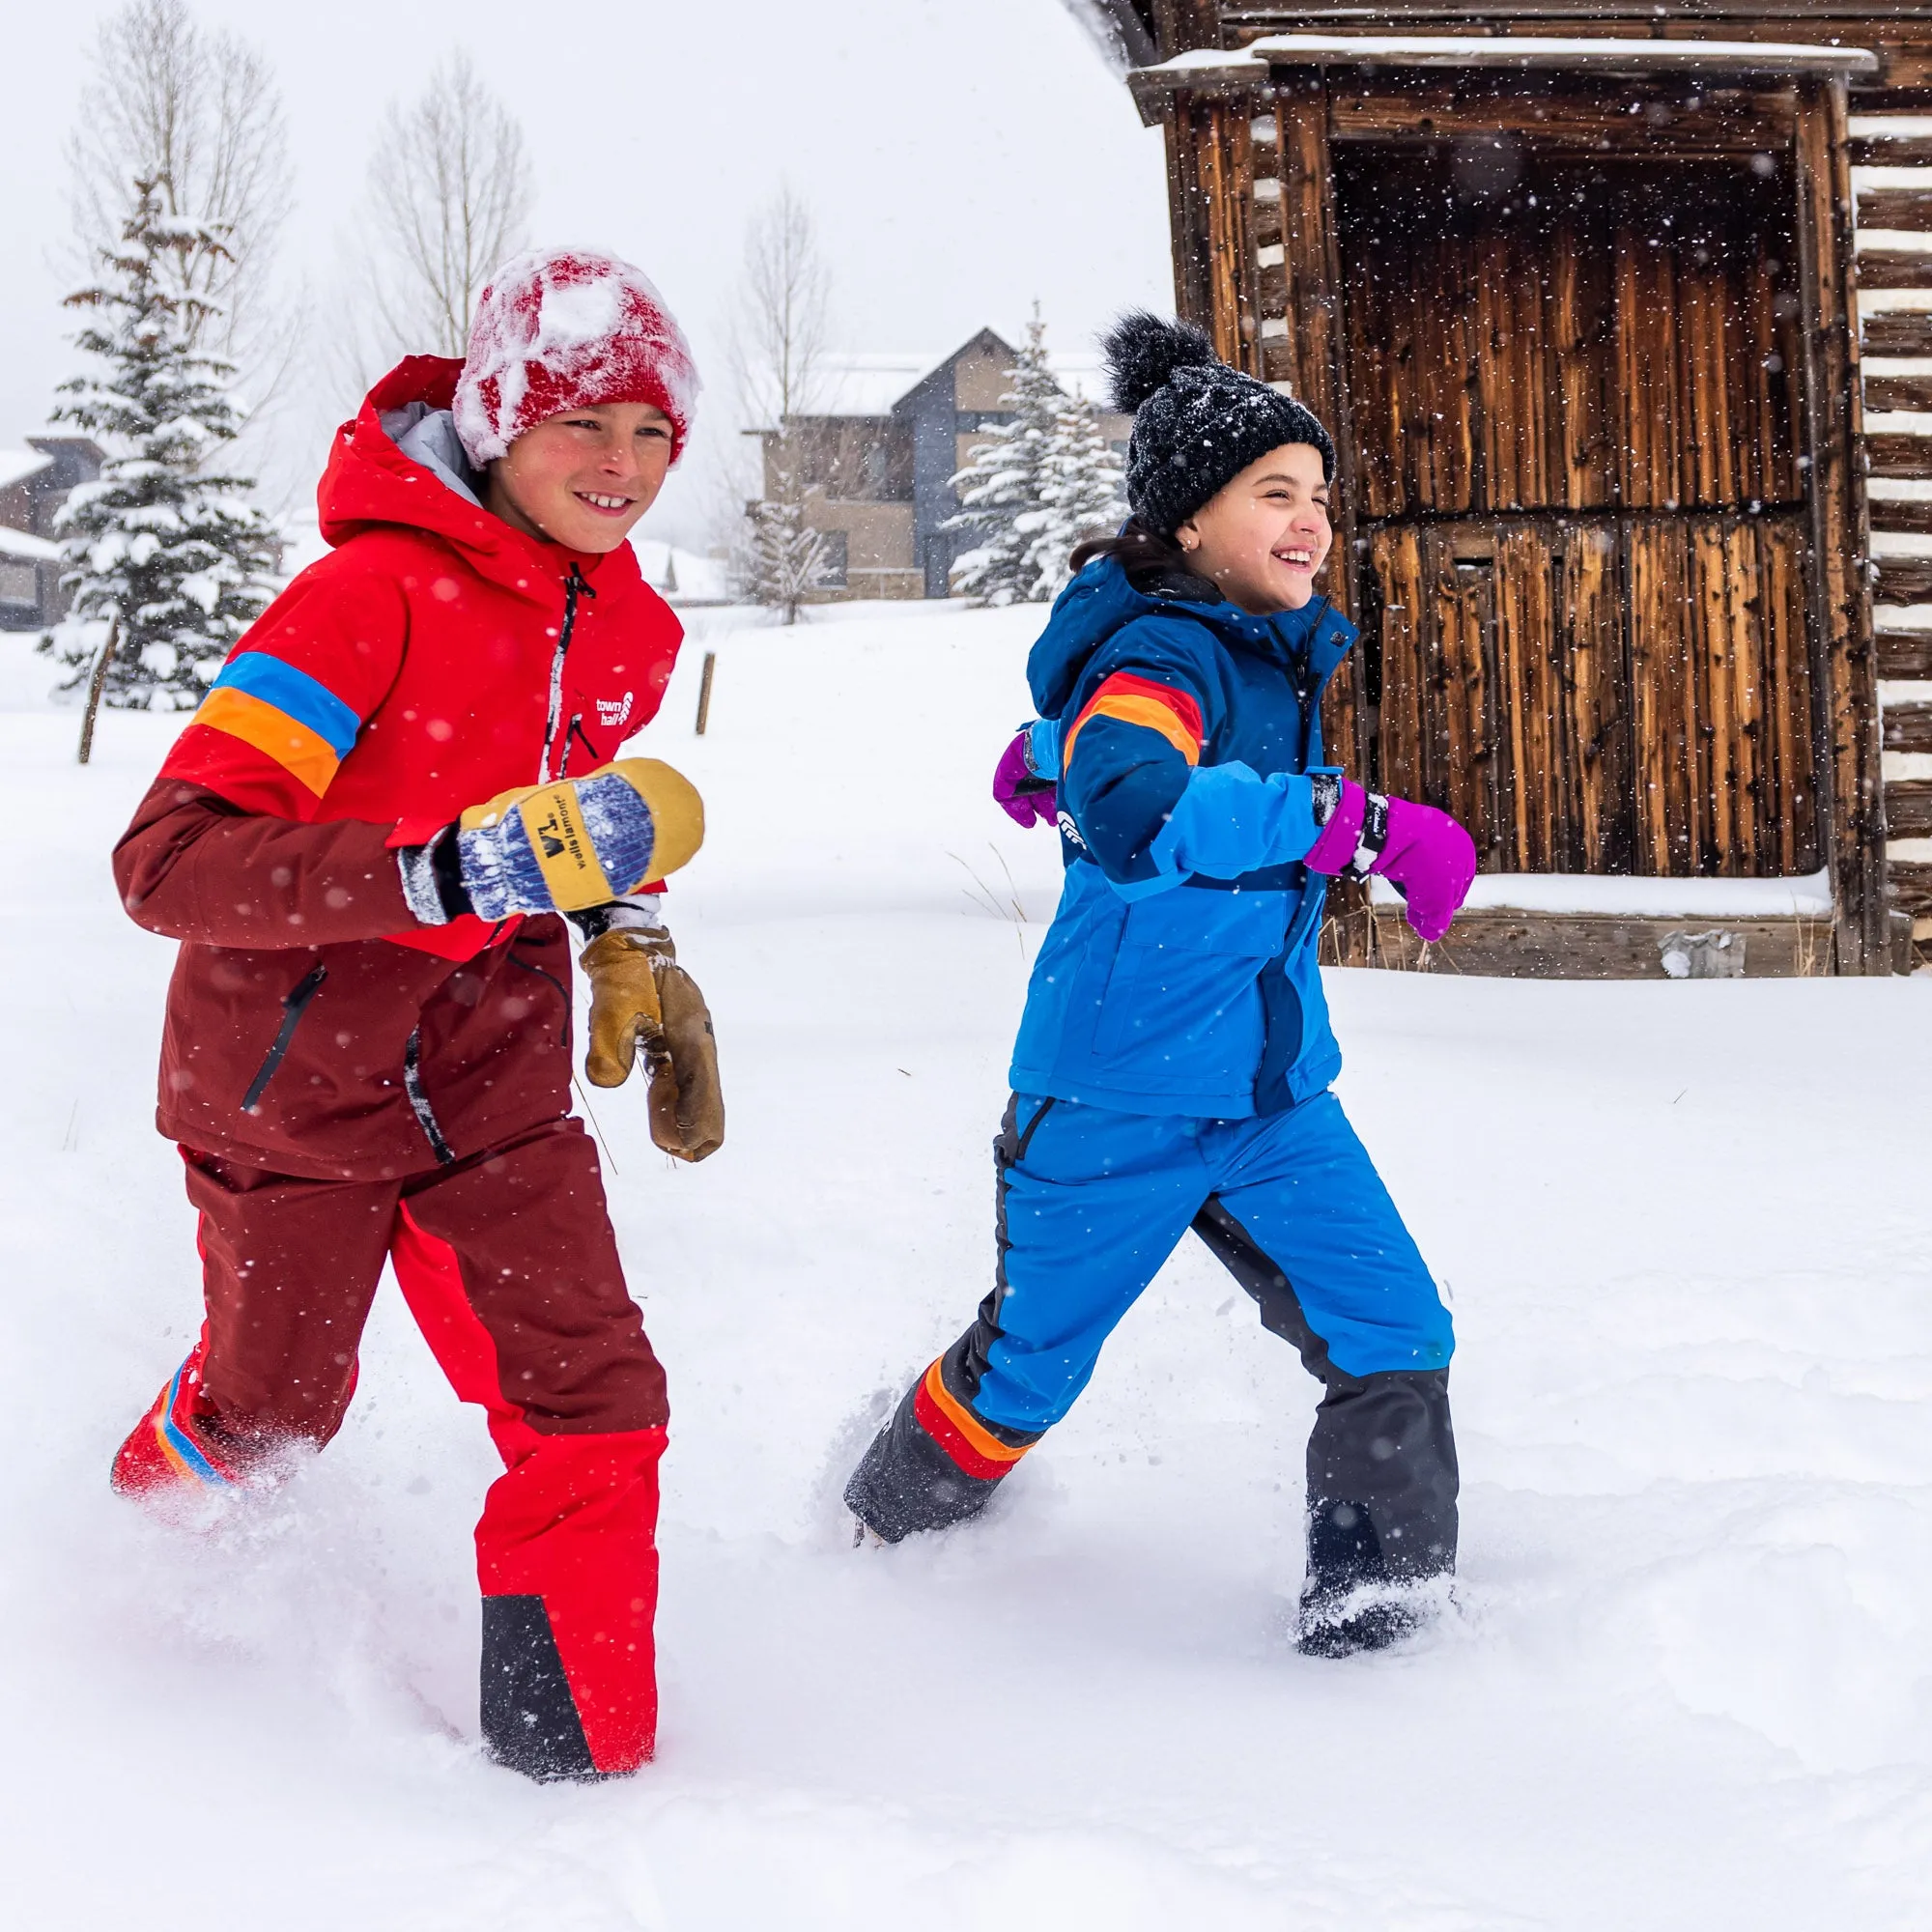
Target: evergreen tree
164	541
780	559
1083	493
1001	489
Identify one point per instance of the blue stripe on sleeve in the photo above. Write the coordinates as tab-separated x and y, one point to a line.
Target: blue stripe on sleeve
296	693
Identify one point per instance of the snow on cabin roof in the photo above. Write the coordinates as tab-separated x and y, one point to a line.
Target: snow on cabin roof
26	548
17	464
1616	56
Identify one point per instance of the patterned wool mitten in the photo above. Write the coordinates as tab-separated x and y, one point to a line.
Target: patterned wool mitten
579	842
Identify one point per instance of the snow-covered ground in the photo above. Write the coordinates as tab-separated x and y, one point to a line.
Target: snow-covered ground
1686	1232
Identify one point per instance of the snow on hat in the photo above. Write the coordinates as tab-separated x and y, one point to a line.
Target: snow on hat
567	328
1198	424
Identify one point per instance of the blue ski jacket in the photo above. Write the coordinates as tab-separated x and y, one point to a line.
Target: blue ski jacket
1180	974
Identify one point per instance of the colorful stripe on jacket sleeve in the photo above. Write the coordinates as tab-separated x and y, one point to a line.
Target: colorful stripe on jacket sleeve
268	736
1131	700
1124	766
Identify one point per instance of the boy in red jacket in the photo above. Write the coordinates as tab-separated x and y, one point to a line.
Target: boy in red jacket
363	839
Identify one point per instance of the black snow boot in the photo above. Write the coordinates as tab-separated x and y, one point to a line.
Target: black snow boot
1381	1513
1349	1601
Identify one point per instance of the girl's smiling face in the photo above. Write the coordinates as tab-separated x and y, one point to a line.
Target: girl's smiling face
1264	536
583	478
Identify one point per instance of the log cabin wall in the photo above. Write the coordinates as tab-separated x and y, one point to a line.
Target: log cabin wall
1639	638
1891	177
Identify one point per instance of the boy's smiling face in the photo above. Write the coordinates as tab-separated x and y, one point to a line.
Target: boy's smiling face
583	478
1264	536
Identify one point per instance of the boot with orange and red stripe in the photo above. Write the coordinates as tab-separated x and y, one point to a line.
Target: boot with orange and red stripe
177	1454
937	1461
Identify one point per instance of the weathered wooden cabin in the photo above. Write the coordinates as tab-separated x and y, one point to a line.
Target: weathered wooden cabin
1622	313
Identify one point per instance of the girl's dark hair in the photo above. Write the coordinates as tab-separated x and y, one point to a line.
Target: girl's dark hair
1154	565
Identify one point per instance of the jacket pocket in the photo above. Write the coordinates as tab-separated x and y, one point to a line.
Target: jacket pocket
295	1003
1183	1000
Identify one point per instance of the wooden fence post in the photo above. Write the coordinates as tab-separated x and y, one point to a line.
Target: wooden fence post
95	685
704	692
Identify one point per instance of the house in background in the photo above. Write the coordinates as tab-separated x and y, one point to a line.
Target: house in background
877	460
34	483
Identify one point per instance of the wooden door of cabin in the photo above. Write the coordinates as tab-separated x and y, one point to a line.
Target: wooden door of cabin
1579	509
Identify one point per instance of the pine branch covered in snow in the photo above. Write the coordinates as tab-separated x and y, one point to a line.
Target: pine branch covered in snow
1039	483
166	540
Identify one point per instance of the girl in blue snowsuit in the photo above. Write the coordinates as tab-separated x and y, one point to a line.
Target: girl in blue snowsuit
1174	1062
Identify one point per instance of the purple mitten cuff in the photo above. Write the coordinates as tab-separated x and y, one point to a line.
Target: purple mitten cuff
1334	847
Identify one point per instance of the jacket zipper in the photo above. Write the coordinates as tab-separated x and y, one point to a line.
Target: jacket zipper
419	1105
1307	695
574	586
576	736
295	1003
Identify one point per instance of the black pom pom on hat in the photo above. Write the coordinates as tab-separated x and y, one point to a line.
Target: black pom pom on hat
1198	424
1143	350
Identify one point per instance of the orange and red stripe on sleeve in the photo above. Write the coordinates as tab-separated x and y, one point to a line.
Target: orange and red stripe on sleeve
1140	700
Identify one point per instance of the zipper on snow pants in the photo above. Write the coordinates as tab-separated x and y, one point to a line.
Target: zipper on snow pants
295	1003
419	1104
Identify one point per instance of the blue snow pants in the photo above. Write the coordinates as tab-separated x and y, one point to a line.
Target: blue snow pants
1090	1204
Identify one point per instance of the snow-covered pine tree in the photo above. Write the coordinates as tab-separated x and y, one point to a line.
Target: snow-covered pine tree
164	540
999	489
1083	493
783	558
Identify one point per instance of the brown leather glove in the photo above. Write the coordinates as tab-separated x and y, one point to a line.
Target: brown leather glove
639	995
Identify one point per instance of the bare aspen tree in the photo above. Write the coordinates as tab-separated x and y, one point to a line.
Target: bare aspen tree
777	346
449	196
199	114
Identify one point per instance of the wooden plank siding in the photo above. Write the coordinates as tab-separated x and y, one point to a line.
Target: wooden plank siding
1506	944
1627	696
1840	614
1904	580
1900	208
1666	345
1907	727
1904	655
1892	269
1910	516
1902	457
1898	331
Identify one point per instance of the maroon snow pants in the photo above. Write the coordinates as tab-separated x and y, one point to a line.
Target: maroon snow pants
508	1263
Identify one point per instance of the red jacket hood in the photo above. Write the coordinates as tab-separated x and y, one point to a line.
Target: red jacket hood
369	482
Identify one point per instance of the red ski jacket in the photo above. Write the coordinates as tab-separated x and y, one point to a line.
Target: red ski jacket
435	657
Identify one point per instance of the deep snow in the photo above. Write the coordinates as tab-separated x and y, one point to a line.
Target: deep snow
1684	1226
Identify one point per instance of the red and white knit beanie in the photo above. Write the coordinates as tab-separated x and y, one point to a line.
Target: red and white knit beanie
567	328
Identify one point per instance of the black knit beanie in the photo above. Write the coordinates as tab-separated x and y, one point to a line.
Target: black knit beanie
1197	422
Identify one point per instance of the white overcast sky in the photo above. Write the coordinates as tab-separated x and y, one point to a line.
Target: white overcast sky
962	157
